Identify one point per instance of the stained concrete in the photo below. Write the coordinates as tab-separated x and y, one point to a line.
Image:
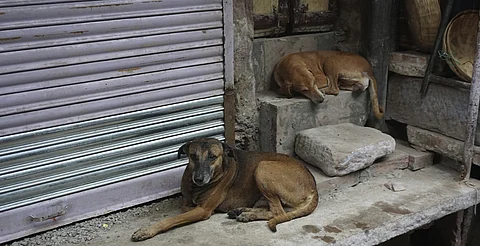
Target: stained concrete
353	210
282	118
366	214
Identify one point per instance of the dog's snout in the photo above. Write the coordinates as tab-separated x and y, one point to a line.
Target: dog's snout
198	179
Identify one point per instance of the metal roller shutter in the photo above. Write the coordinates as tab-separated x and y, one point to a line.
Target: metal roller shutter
95	99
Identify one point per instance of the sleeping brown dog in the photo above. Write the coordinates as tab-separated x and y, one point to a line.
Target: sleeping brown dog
316	73
220	178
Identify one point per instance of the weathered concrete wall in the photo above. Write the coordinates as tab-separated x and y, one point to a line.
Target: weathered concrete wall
442	110
352	25
246	109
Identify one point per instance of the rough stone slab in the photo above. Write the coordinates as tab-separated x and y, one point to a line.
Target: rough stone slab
417	159
326	185
438	143
364	215
343	148
268	51
282	118
443	109
409	63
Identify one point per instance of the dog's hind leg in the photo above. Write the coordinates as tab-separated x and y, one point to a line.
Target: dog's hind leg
289	183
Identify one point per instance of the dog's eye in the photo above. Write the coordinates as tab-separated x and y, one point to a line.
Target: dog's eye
211	156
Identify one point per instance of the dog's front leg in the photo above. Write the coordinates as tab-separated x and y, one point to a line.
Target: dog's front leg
194	215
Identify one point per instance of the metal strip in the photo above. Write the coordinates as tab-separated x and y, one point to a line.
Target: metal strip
39	37
88	11
102	89
59	56
81	73
95	109
228	43
204	102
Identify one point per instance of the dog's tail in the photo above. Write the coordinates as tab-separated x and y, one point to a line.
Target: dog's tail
372	89
305	209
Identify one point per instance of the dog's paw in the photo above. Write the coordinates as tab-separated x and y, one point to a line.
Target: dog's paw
233	214
272	225
143	234
246	217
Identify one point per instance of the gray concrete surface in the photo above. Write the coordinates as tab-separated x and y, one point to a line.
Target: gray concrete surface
366	214
343	148
282	118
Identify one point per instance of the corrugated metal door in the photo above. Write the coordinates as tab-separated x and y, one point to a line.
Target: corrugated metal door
95	99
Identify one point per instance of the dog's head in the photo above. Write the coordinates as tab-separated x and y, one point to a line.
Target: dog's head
208	159
306	84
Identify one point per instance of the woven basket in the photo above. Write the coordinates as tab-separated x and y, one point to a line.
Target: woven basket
423	18
459	43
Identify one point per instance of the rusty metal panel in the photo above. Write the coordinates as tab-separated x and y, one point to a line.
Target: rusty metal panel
94	94
270	17
312	15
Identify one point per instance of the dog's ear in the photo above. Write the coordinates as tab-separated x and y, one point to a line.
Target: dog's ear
183	150
228	151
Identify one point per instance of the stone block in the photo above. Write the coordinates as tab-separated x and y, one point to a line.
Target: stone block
387	165
398	160
282	118
268	51
416	159
438	143
442	110
343	148
408	63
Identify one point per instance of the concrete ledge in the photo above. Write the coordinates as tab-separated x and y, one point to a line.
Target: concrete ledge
281	118
364	215
441	144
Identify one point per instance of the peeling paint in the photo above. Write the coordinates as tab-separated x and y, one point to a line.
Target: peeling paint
8	39
102	6
129	70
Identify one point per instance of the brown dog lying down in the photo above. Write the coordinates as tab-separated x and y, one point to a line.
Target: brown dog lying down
219	178
316	73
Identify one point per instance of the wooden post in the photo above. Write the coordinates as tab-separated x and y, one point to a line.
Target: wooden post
379	48
472	115
438	42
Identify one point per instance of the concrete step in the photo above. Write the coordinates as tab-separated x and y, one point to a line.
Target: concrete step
282	118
